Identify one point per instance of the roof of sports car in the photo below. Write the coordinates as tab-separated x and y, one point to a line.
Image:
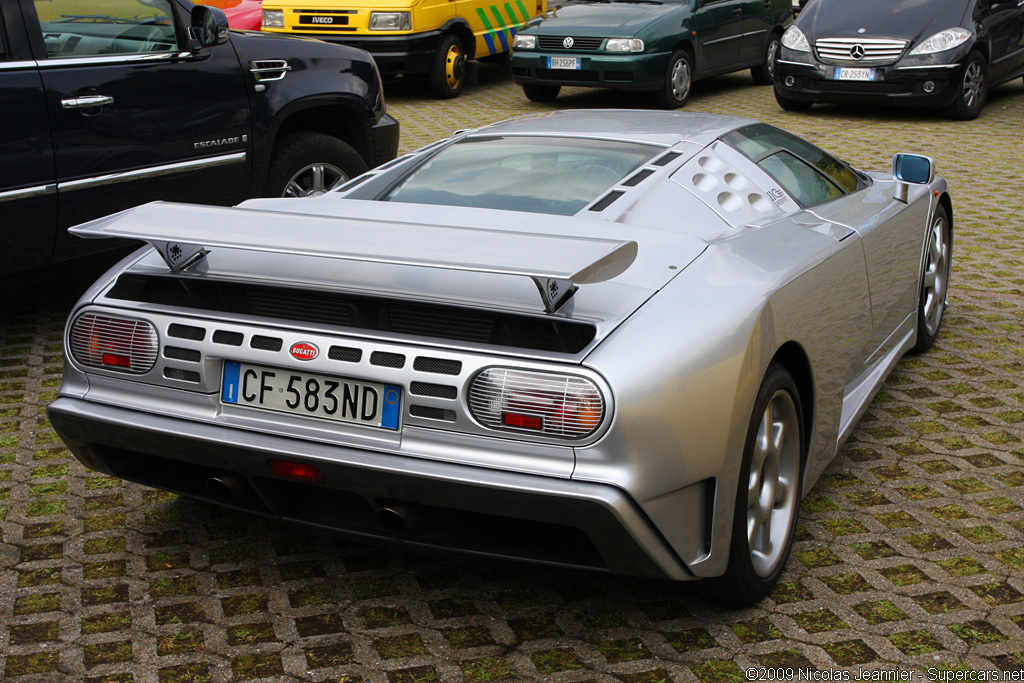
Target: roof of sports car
657	127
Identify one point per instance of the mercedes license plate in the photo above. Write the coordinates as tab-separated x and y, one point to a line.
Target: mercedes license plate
564	63
311	394
845	74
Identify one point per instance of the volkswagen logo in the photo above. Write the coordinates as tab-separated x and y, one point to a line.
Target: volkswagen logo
567	42
857	51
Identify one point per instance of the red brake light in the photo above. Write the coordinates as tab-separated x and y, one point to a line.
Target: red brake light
525	421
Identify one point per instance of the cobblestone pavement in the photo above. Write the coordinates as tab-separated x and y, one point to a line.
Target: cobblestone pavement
909	555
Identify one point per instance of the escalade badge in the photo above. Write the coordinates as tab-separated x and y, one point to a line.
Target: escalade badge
304	351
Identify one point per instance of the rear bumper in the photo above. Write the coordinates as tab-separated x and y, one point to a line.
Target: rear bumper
457	508
623	72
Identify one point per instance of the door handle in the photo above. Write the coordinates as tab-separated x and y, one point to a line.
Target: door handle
86	102
738	11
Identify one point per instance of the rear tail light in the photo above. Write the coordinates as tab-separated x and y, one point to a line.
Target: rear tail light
114	343
544	403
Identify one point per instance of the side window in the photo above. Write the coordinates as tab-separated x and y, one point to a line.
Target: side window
89	28
803	182
759	142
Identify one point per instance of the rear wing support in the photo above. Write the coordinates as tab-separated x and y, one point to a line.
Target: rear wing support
183	234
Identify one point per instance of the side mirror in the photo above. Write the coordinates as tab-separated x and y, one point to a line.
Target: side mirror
209	27
911	169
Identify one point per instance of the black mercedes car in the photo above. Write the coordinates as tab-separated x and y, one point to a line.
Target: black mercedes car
934	53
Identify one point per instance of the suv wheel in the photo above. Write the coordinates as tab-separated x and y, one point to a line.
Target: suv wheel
309	164
448	70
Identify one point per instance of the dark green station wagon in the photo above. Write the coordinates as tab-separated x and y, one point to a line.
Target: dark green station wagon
654	45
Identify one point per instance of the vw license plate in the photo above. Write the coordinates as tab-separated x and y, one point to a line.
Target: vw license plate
311	394
854	75
564	63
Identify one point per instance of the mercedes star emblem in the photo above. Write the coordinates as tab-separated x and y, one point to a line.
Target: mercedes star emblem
857	51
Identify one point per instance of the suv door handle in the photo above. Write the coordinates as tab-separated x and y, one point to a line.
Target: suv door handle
86	102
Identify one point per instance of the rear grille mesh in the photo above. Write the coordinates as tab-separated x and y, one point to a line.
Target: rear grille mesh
178	353
387	360
265	343
871	50
186	332
433	390
183	375
360	311
438	366
432	413
346	354
95	339
229	338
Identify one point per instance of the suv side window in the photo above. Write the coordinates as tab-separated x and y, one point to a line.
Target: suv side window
809	174
89	28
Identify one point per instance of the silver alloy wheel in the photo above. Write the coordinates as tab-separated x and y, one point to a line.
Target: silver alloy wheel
936	276
773	49
314	180
680	79
772	487
974	84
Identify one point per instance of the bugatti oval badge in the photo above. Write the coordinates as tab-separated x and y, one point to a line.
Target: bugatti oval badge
304	351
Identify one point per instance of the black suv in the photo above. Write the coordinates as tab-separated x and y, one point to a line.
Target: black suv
112	103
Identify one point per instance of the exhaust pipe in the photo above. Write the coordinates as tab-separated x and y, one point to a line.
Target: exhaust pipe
398	518
227	487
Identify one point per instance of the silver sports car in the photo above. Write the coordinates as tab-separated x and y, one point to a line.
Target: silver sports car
624	341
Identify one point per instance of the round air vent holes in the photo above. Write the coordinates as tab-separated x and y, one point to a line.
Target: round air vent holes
759	202
736	181
730	201
711	164
705	182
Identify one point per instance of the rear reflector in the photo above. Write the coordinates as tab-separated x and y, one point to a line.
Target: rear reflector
114	343
298	471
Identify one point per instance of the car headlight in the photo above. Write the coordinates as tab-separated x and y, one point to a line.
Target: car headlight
273	18
544	403
525	42
794	39
390	21
943	40
624	45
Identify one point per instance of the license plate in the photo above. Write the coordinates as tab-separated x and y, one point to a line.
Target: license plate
564	63
854	75
311	394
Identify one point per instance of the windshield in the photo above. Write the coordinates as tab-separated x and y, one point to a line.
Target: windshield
538	174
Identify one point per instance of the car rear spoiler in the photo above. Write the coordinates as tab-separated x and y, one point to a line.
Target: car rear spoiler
183	234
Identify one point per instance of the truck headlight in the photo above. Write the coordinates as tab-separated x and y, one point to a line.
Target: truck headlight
390	21
624	45
525	42
273	18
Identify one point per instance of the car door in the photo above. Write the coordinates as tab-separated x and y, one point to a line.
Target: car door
28	188
136	115
719	34
758	21
1003	20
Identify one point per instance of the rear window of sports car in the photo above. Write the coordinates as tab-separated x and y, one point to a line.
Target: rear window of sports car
808	173
538	174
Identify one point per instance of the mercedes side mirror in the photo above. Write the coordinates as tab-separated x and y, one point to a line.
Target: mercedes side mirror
911	169
209	27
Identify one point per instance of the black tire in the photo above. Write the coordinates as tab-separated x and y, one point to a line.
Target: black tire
934	287
971	89
678	81
448	68
309	164
791	105
762	74
751	573
541	93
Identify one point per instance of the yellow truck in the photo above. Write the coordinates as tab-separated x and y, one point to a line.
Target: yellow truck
435	37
